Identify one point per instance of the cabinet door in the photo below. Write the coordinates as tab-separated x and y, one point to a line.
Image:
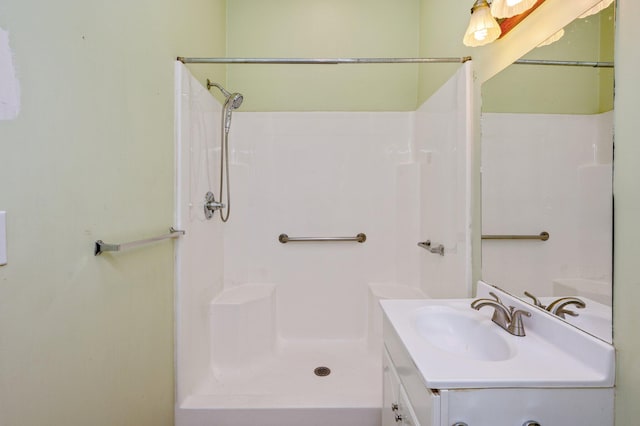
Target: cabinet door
406	415
390	392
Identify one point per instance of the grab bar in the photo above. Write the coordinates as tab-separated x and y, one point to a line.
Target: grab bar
284	238
544	236
101	246
439	249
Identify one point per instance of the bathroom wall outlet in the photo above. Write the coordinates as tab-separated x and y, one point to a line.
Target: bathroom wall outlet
3	238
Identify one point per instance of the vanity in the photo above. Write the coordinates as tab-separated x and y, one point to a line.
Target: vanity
446	364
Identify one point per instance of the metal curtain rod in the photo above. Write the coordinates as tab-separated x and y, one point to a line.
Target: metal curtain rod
322	61
101	246
591	64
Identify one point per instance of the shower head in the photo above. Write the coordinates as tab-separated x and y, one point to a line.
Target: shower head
232	101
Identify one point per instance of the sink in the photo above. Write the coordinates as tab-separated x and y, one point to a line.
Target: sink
456	347
462	332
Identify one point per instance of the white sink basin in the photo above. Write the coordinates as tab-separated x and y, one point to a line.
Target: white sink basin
461	332
456	347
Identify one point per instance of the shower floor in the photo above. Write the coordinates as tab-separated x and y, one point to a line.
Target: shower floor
287	379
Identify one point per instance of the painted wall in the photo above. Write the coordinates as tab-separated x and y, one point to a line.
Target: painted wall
334	28
84	339
442	25
626	288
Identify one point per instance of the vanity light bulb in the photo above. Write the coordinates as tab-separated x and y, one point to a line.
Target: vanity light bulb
483	28
509	8
480	35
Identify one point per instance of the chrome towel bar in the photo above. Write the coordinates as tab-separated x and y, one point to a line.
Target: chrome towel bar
543	236
284	238
101	246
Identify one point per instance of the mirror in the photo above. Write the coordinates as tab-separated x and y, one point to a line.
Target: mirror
547	150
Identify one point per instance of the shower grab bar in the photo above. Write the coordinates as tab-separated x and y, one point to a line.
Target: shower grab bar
322	61
543	236
439	249
101	246
284	238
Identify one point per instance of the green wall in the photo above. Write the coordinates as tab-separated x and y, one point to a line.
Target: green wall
559	90
331	28
88	340
442	26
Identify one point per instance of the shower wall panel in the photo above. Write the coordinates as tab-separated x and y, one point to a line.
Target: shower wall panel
442	149
200	261
315	174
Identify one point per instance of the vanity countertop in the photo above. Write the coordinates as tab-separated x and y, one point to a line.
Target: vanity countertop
552	354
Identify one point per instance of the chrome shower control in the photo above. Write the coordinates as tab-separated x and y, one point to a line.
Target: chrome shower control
531	423
211	205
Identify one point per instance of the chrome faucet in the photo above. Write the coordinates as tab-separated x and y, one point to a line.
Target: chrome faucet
509	319
557	307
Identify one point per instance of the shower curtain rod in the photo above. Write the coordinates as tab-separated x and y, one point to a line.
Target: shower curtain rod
591	64
336	61
322	61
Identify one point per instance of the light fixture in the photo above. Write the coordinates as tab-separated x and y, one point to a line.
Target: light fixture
555	37
509	8
597	8
483	28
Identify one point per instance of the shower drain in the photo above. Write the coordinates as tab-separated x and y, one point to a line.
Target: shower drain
322	371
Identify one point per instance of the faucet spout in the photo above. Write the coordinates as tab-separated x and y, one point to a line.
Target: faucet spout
503	316
558	307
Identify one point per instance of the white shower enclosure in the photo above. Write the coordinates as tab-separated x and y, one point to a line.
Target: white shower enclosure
255	317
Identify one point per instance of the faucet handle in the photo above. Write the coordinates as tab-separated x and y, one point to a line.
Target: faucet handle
536	301
495	296
516	327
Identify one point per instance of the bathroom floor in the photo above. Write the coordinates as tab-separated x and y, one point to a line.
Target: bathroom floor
287	379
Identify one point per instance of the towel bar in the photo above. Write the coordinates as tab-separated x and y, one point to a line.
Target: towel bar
101	246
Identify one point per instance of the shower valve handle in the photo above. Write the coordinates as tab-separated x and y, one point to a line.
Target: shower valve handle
211	205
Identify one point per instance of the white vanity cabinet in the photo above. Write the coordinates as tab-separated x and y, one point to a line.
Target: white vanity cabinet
488	407
397	409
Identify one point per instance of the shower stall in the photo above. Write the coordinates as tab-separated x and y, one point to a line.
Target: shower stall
271	330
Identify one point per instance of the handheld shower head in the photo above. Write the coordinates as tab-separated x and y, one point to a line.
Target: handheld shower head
232	101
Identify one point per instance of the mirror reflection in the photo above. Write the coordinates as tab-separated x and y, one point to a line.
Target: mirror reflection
547	157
